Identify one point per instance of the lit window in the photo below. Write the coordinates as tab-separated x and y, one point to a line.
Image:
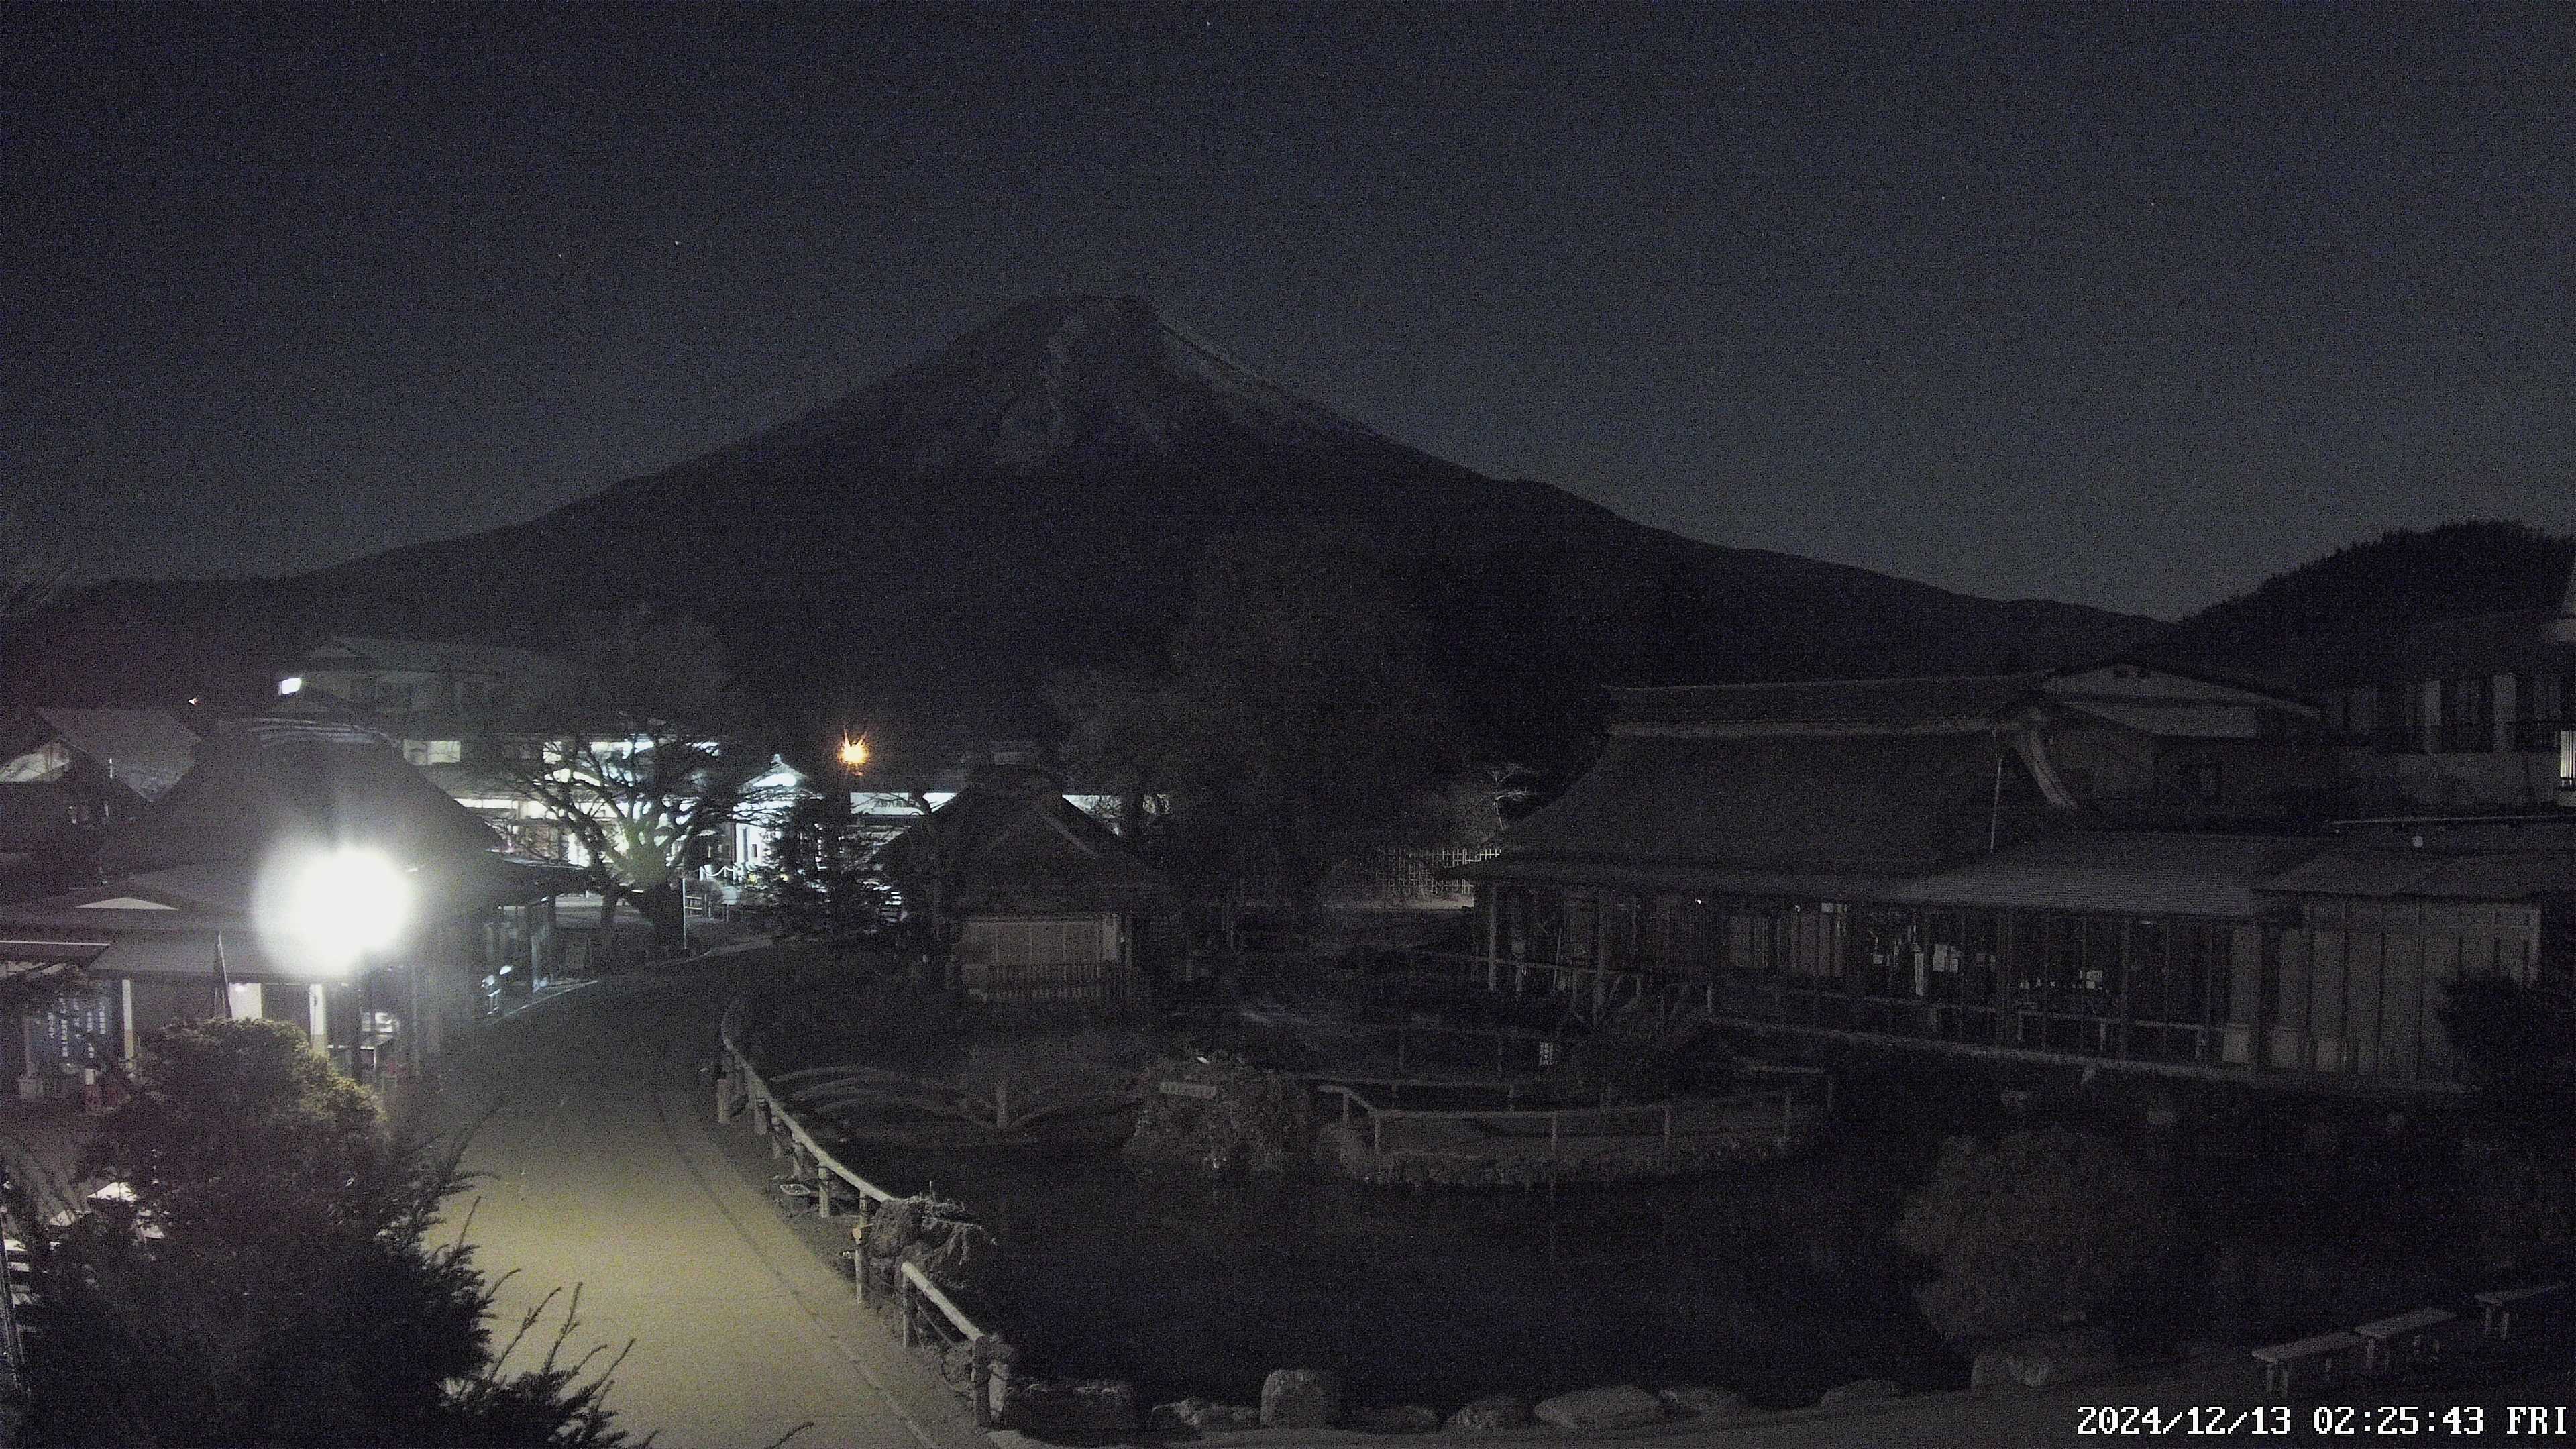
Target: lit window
291	684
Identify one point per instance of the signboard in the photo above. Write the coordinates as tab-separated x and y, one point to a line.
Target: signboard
1204	1091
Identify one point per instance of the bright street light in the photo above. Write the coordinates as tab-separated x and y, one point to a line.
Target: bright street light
854	753
335	906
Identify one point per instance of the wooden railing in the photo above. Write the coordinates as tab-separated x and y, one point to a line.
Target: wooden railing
1097	983
1649	1120
923	1310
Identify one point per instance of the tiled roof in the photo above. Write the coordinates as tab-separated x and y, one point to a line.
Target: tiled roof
1784	805
2119	873
146	750
1964	701
2476	875
430	656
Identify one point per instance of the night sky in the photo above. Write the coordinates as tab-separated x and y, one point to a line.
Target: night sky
2124	305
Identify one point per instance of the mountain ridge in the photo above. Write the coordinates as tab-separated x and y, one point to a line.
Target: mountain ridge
1034	496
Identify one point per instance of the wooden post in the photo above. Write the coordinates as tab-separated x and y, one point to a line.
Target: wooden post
1552	1120
911	1309
1668	1132
1002	1102
859	1252
823	1182
1493	946
980	1381
1377	1133
724	1087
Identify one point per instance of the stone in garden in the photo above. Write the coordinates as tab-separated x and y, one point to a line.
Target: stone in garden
1619	1406
1072	1408
2036	1363
1207	1416
1394	1419
1859	1391
1300	1399
1493	1411
1698	1401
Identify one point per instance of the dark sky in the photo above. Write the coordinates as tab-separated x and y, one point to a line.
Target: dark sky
2126	305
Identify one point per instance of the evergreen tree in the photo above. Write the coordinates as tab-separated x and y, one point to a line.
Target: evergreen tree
270	1280
819	884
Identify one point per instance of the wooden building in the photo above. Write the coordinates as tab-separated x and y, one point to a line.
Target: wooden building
1045	903
1915	862
68	776
189	922
2470	713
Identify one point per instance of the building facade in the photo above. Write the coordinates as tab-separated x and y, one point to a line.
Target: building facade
1930	863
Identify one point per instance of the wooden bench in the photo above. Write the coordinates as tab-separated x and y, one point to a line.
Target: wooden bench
2415	1334
2327	1351
2500	1303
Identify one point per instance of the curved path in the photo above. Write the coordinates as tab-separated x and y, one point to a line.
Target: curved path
600	1169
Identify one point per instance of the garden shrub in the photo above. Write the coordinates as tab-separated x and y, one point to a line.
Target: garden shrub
2030	1231
1258	1121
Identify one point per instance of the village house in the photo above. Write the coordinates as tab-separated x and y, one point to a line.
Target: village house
457	711
67	776
223	899
2117	865
2466	714
1045	905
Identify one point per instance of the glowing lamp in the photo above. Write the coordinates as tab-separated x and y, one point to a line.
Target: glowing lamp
334	906
854	753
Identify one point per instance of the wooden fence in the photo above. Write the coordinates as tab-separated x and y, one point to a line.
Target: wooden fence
1110	984
1655	1123
926	1313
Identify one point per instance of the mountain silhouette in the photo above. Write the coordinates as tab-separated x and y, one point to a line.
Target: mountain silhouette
923	552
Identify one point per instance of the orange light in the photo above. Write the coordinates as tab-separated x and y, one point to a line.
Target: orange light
854	753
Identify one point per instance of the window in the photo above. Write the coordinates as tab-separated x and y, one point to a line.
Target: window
433	752
2468	710
2205	780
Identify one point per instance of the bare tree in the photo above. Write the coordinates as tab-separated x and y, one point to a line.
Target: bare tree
644	755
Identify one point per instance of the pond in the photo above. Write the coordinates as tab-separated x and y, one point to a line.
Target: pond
1772	1282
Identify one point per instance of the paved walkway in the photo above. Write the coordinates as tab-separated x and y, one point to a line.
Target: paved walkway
599	1169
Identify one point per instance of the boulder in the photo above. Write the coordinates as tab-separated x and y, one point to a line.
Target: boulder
1206	1416
1859	1391
1493	1411
1071	1408
1394	1419
1300	1399
1698	1401
2037	1362
1618	1406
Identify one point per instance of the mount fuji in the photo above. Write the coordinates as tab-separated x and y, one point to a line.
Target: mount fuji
925	550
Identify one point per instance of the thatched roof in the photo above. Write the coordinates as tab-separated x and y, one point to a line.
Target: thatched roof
1780	813
260	782
1010	843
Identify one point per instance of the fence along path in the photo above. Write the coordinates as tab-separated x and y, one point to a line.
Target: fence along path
925	1311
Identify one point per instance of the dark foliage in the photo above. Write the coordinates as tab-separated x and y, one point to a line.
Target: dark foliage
1299	723
818	884
2029	1230
2333	621
270	1281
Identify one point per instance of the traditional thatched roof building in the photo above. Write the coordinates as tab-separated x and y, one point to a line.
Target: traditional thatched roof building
189	925
1045	903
